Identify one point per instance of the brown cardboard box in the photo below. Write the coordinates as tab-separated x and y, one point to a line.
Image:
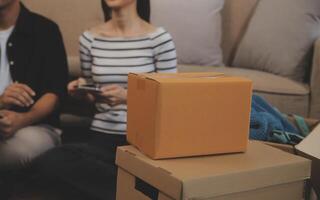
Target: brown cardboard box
308	148
261	173
188	114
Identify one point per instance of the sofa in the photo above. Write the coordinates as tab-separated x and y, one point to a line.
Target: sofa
75	16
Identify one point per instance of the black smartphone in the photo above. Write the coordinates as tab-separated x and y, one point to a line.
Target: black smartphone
89	88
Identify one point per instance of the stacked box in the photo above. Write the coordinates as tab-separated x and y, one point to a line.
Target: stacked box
263	173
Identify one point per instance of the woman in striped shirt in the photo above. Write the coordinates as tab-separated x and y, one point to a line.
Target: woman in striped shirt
125	43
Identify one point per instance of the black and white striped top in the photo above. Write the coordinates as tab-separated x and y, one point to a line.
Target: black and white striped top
109	60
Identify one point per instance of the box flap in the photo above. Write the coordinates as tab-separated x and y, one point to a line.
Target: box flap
210	176
180	75
311	144
205	77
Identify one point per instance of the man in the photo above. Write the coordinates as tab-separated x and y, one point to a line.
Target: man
33	77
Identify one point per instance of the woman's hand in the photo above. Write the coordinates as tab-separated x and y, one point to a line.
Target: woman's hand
113	95
74	92
73	85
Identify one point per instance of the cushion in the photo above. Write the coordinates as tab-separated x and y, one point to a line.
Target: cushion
288	96
195	26
262	81
74	66
235	19
280	36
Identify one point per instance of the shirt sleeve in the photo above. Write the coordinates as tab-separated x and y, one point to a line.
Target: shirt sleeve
56	73
85	43
165	53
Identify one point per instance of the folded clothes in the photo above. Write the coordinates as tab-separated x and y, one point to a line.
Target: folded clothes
265	120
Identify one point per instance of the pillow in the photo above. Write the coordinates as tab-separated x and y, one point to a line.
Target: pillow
195	26
280	37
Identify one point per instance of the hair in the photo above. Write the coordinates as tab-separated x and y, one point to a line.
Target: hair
143	9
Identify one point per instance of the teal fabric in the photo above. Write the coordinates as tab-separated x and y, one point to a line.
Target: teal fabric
285	137
302	125
269	124
265	118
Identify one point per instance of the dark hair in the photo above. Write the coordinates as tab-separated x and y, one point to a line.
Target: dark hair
143	9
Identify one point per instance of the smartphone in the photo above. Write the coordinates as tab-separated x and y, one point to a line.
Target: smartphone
89	88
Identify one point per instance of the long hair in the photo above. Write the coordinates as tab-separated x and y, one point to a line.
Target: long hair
143	9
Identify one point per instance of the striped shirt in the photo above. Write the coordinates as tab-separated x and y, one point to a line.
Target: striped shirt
109	60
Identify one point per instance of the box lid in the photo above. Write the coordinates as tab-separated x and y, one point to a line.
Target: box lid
211	176
311	144
203	77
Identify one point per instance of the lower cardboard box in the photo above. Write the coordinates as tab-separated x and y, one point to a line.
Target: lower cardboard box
261	173
309	148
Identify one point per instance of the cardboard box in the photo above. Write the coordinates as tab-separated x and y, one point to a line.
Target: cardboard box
261	173
188	114
308	148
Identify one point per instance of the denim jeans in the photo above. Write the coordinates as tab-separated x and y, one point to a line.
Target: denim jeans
88	168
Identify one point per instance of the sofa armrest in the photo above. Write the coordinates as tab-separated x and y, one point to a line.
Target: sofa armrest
315	83
74	66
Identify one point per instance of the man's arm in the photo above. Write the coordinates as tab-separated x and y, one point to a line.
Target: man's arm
55	71
55	76
11	121
41	109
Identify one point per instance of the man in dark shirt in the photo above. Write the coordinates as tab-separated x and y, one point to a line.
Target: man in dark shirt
33	79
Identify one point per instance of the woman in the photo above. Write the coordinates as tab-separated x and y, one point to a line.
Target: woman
125	43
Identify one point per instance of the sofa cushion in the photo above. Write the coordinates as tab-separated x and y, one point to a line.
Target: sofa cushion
235	20
74	66
195	26
289	104
280	37
72	120
285	94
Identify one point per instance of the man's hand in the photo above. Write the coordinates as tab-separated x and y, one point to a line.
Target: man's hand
10	122
17	94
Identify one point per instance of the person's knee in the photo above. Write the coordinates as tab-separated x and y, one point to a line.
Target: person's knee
27	144
15	157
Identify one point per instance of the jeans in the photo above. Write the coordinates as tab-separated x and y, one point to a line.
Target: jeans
87	169
26	144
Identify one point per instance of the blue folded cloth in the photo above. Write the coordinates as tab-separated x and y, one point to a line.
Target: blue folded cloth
265	119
